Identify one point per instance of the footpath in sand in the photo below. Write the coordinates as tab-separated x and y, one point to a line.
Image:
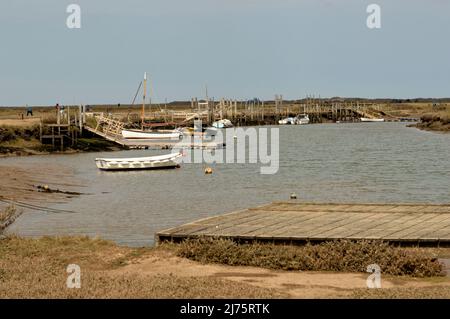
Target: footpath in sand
292	284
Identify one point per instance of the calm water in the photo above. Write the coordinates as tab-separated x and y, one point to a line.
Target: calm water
367	162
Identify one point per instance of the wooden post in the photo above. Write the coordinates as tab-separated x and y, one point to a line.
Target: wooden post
40	130
53	136
262	111
143	101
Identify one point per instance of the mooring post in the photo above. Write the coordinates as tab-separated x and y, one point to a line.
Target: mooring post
40	129
80	120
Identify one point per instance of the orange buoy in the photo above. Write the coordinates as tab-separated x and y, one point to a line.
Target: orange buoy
208	170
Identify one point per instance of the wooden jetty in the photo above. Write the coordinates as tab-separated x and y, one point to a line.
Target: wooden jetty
298	222
111	130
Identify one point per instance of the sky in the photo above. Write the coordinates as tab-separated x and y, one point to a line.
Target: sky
237	48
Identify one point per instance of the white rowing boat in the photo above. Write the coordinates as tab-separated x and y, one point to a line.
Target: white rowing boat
142	135
151	162
366	119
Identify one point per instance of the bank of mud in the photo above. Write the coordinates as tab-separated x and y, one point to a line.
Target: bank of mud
434	122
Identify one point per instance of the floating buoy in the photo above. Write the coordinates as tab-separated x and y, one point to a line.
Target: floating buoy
293	196
208	170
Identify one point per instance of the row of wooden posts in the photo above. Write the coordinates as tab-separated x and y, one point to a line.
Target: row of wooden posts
261	111
66	130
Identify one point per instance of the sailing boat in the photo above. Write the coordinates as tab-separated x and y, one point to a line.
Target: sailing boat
148	135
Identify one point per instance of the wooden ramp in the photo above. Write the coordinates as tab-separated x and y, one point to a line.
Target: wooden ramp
156	144
297	222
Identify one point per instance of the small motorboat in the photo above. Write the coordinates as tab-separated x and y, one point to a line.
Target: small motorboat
302	119
366	119
151	135
287	121
298	120
133	163
225	123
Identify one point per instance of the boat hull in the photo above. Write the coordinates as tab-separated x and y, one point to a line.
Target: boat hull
365	119
138	163
136	135
222	124
294	121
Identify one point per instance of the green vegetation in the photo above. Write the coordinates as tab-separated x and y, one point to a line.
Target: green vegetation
11	133
342	255
436	121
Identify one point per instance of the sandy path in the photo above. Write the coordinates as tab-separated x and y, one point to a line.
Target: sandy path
294	284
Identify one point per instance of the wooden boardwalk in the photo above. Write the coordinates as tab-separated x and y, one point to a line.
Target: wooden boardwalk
297	222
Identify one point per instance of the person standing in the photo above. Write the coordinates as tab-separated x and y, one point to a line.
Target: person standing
29	111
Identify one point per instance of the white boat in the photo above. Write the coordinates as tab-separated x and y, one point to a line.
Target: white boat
151	162
298	120
287	121
222	123
143	135
366	119
302	119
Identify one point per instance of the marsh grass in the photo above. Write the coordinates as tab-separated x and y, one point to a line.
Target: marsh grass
36	268
434	292
8	216
342	255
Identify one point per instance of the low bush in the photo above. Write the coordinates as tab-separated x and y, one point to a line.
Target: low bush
342	255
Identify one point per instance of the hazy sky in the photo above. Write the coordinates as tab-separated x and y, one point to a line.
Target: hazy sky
239	48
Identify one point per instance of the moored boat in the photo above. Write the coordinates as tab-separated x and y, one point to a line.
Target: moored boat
366	119
132	134
225	123
302	119
133	163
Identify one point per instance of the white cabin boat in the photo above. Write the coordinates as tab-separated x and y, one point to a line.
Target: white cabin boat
225	123
287	121
298	120
366	119
302	119
151	162
143	135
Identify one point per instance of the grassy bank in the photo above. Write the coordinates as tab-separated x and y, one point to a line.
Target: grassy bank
24	140
439	121
36	268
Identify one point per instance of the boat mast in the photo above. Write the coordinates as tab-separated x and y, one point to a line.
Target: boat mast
143	100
